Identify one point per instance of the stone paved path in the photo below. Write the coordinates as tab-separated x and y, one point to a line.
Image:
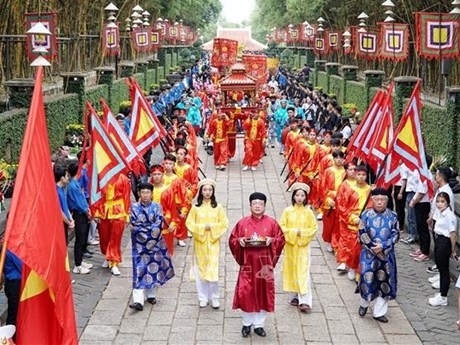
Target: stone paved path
177	319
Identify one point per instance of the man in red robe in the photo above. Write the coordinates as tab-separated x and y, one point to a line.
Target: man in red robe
217	132
256	132
256	243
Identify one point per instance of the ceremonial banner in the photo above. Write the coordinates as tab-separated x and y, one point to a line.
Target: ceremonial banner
360	140
436	35
366	44
334	40
321	45
383	134
120	138
106	161
224	52
141	38
408	145
256	66
111	41
145	130
35	234
394	41
293	34
48	20
155	39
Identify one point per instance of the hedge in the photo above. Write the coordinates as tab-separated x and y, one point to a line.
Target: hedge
438	131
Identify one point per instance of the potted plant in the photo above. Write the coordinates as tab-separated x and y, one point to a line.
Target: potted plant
74	135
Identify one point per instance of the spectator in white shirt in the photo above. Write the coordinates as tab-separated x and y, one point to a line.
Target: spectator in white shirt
412	179
400	195
444	245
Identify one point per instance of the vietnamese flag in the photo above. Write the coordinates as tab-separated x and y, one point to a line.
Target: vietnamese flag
35	233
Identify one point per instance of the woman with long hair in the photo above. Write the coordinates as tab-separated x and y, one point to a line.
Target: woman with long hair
207	222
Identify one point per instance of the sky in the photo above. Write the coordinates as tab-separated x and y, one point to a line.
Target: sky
236	11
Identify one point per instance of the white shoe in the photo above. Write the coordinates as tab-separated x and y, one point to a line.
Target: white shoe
253	168
434	278
93	242
203	304
342	267
217	167
319	216
81	270
86	265
215	304
329	247
115	271
181	243
437	300
105	264
351	275
245	168
436	285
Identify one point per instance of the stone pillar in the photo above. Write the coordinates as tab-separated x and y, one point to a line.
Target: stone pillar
127	69
332	68
403	89
373	78
20	92
405	85
320	65
75	82
350	72
162	56
310	54
105	75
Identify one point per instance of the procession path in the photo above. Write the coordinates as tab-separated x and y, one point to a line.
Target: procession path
177	319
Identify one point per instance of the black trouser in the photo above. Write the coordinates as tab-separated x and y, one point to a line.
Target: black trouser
12	291
400	206
66	234
422	212
81	235
442	252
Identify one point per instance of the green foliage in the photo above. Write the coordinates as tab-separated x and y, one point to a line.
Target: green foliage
322	81
120	93
356	94
185	53
124	107
95	93
438	130
336	87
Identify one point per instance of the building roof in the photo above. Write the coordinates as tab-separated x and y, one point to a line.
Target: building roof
237	77
242	35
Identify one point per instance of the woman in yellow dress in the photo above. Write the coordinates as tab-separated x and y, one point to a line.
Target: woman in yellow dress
299	226
207	222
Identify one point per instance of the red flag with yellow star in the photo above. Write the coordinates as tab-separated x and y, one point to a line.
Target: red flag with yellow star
35	233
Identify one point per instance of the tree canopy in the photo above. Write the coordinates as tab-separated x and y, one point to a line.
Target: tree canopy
337	13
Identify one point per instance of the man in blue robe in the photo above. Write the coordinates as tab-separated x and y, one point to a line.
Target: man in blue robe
378	233
152	266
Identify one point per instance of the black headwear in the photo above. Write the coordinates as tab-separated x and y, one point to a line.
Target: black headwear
145	185
379	191
258	196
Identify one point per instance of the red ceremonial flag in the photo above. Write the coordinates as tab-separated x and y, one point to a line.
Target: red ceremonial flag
383	135
145	130
106	160
120	138
408	145
256	66
35	234
359	142
224	52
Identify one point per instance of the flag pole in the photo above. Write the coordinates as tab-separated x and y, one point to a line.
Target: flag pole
2	259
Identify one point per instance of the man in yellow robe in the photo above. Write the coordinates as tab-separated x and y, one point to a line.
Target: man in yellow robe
299	226
207	222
